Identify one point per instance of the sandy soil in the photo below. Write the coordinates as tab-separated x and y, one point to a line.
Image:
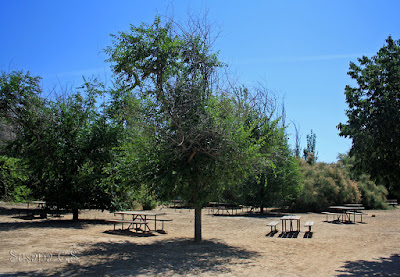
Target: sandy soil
233	246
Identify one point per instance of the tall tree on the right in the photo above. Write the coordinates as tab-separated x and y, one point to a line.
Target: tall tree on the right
374	115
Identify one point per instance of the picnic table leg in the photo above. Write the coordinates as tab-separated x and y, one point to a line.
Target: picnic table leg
27	210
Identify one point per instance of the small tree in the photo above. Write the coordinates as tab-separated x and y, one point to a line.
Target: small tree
309	152
297	147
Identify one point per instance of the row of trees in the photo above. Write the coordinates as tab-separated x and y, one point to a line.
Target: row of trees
65	143
167	128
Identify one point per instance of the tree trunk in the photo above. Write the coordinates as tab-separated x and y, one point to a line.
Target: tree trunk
262	193
197	224
75	213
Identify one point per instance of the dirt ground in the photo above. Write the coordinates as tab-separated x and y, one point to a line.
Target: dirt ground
232	245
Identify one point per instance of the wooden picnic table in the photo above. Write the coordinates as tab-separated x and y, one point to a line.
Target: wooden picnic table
290	218
353	205
140	218
347	211
40	204
392	202
222	207
36	207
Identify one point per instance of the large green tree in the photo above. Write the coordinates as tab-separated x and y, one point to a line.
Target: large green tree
374	115
195	144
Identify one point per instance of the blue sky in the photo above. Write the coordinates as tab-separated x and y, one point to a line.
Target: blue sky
299	49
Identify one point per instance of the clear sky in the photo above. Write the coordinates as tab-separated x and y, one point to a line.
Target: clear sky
299	49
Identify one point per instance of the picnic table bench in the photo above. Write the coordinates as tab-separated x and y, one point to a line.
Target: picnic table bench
392	202
162	220
273	224
337	215
134	223
309	224
357	213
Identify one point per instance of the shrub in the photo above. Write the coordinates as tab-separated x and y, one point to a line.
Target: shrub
146	198
325	185
373	196
334	184
13	176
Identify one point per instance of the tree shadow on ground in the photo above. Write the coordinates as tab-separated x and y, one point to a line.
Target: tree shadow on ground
50	223
164	258
11	211
37	222
382	267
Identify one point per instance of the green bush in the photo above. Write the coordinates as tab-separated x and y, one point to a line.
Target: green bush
21	193
13	178
373	196
325	185
333	184
146	198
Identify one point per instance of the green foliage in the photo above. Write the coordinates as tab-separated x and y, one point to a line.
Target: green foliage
146	198
309	152
188	132
335	184
325	185
374	115
67	143
276	179
372	196
193	144
13	178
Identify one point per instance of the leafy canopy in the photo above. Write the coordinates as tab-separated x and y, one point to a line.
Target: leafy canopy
374	115
66	143
194	143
